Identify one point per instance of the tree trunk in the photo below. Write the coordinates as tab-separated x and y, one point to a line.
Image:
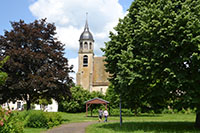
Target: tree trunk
197	122
8	106
135	111
28	102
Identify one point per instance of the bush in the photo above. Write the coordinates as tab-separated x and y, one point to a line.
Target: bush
124	112
9	122
53	119
182	111
167	111
77	102
40	119
36	119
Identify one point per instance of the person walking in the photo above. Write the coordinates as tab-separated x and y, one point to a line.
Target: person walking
105	114
100	115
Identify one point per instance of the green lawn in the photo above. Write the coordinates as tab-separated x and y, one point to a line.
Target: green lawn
144	123
68	118
34	130
172	123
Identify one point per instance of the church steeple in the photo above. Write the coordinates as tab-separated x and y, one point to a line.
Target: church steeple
86	23
85	58
86	35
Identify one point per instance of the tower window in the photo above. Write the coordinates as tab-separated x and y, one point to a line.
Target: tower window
85	61
85	45
81	45
90	45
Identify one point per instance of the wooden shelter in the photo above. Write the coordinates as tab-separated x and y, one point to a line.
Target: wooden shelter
95	101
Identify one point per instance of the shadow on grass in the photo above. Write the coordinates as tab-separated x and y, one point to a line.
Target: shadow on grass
147	115
92	116
65	120
157	127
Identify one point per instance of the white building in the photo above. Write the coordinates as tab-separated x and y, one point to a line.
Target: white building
19	105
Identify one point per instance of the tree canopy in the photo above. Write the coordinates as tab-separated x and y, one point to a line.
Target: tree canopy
3	75
37	67
154	53
78	99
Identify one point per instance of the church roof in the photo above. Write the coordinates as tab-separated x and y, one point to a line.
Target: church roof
100	76
86	35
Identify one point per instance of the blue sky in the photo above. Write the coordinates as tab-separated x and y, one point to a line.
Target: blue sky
14	10
69	18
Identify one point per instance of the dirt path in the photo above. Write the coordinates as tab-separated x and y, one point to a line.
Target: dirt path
71	127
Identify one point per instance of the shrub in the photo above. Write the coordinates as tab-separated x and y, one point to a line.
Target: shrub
124	112
36	119
9	122
167	111
182	111
40	119
53	119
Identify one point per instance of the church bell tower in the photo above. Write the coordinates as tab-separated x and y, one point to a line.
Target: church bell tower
84	76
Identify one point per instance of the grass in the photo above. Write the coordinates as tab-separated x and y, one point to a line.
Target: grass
34	130
157	123
76	117
68	118
172	123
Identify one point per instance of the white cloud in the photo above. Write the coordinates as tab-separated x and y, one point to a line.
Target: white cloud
69	17
69	36
74	62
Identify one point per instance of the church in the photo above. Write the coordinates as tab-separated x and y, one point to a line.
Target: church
91	73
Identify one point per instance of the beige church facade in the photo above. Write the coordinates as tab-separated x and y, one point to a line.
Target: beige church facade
91	73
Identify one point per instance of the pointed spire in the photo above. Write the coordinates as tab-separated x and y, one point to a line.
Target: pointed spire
86	35
86	23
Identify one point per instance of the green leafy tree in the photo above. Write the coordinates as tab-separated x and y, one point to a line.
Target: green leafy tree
43	102
77	102
3	75
112	97
155	53
37	67
78	99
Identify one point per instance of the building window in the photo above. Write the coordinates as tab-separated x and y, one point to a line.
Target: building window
81	45
18	105
85	60
85	45
101	90
90	45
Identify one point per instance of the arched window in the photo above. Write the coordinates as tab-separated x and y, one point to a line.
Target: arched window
85	61
85	45
90	45
81	45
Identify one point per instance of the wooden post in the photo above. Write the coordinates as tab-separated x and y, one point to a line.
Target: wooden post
120	108
109	109
86	109
91	109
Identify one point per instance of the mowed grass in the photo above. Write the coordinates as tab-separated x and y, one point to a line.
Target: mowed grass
77	117
162	123
157	123
34	130
67	117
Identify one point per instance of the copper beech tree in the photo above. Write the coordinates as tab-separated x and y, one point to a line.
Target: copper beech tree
37	67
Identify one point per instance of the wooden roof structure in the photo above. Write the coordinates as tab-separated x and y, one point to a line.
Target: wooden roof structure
95	101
